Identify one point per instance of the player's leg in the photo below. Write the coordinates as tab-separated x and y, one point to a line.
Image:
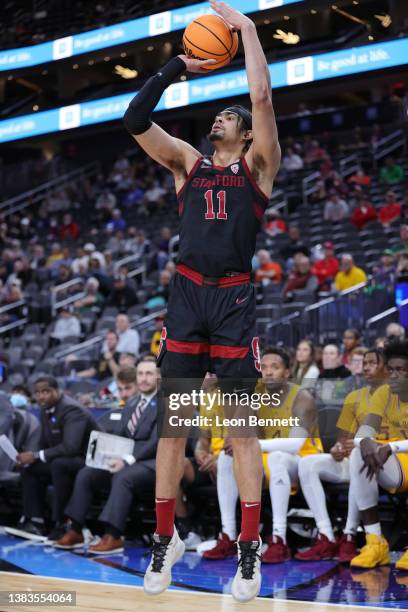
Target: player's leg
365	492
235	359
227	493
283	474
314	469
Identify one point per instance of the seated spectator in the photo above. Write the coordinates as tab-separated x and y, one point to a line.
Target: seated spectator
363	213
300	278
128	338
356	380
295	245
390	211
384	273
153	198
68	230
394	331
160	295
292	161
333	370
268	271
360	178
314	152
349	274
67	325
401	272
63	274
108	359
305	371
123	294
335	208
392	173
274	224
403	244
326	269
157	334
128	476
351	340
118	222
20	397
55	256
92	299
65	430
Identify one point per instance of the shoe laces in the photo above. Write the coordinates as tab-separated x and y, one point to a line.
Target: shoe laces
248	559
159	551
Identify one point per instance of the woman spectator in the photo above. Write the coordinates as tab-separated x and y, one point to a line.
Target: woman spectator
305	371
351	340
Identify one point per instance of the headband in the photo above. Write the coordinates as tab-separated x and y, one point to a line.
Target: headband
245	115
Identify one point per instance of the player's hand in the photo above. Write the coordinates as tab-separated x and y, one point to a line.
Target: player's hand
338	452
200	456
384	452
196	65
348	446
26	458
369	453
116	465
234	18
209	464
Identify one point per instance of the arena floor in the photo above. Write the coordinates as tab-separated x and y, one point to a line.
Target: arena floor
114	582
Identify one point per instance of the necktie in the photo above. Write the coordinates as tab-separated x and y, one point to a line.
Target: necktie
139	409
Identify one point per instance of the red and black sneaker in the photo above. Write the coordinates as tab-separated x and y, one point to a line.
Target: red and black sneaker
322	549
224	549
347	548
277	552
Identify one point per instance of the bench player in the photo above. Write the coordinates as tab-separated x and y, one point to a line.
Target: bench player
210	323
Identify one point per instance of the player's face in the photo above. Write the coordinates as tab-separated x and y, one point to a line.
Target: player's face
372	367
225	128
397	371
273	370
146	376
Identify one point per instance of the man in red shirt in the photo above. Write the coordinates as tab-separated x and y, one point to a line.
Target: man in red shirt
391	209
363	212
326	269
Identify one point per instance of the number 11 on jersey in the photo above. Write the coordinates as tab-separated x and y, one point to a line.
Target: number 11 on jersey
221	196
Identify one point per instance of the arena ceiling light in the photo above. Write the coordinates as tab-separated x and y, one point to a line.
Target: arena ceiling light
385	20
125	73
289	38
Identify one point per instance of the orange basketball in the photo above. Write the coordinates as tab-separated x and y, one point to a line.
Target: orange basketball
210	37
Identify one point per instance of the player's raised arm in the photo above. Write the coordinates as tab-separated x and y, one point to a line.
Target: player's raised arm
173	153
264	154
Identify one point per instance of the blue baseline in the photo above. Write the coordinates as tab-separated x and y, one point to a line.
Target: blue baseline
122	33
213	87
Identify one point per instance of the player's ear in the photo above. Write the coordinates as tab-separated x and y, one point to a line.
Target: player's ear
248	135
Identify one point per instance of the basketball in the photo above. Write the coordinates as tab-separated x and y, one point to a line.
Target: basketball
210	37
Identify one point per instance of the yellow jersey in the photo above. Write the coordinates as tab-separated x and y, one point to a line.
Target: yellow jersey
283	412
356	406
393	413
217	433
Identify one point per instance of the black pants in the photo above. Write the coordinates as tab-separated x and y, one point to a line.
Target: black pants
121	488
61	474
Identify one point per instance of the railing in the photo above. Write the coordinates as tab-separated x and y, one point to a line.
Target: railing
388	144
56	304
309	185
349	164
28	198
17	323
129	259
375	326
92	343
279	194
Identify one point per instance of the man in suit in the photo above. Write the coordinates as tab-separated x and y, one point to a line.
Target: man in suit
128	475
65	430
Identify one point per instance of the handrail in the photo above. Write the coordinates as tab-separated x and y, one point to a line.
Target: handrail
349	164
306	191
13	325
61	287
11	306
385	146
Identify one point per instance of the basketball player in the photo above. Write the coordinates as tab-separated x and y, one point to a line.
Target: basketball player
284	445
335	467
210	323
382	462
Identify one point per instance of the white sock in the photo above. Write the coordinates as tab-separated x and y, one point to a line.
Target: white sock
353	516
375	529
325	528
227	491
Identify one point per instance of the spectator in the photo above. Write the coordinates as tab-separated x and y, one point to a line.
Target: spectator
395	331
160	296
67	325
292	161
268	271
333	370
20	397
153	198
314	152
335	208
55	256
65	429
92	299
128	475
69	230
157	334
349	275
403	244
305	371
128	339
118	222
384	274
301	278
392	173
107	361
274	224
351	340
295	245
326	269
401	273
360	178
356	380
390	211
123	294
363	213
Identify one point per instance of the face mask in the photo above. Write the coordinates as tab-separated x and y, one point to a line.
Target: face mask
18	400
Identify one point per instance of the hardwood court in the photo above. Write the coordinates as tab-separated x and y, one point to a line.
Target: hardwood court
101	597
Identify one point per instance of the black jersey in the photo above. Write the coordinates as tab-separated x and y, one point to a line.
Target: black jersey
220	212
